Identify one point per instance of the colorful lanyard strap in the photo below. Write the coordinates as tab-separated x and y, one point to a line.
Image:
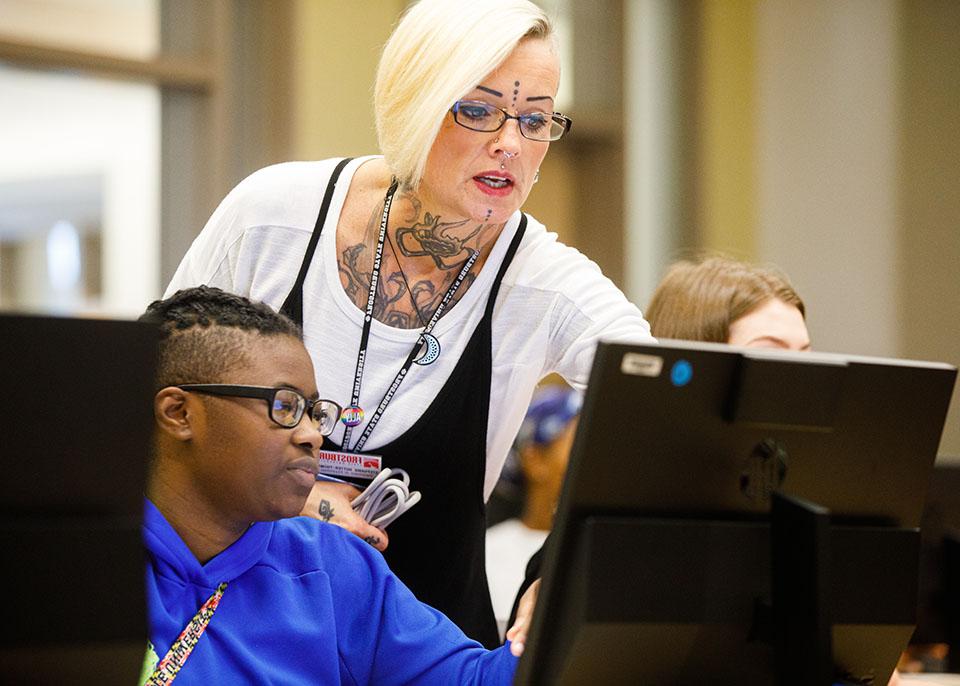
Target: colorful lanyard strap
171	664
368	318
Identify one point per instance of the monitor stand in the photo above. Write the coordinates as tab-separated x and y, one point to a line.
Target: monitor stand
648	596
951	587
800	589
803	583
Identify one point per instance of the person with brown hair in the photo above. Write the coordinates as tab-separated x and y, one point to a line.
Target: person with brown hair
716	300
536	467
721	300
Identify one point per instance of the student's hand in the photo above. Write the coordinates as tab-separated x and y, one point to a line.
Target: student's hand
517	634
330	502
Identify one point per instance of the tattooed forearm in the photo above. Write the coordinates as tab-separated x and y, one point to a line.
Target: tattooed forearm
326	510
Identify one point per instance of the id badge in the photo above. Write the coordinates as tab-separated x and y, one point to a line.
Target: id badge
345	465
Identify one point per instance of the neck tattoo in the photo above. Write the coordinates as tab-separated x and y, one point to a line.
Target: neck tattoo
413	300
435	239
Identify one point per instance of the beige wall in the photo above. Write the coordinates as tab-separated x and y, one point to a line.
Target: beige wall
727	106
827	139
335	48
928	179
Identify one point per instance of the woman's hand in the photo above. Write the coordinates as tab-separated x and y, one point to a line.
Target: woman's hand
330	502
517	634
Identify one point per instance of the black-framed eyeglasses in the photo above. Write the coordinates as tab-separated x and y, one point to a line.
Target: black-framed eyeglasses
286	406
477	115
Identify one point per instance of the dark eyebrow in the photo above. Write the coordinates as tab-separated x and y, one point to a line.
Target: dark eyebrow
490	91
539	97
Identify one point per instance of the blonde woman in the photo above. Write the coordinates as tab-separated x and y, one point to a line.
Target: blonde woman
431	305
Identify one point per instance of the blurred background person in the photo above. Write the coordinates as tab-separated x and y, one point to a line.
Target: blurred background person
717	299
535	470
721	300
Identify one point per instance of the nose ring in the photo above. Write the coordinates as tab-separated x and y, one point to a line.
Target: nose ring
504	155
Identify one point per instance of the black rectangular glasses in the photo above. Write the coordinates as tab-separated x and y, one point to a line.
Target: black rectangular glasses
285	405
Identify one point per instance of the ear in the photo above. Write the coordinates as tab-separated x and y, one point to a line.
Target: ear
174	413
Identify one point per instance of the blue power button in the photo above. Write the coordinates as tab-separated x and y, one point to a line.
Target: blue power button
681	373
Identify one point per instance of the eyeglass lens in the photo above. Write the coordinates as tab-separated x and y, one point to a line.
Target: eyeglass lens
325	414
288	407
480	116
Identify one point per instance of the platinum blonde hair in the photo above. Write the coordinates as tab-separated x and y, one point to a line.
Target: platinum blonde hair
439	52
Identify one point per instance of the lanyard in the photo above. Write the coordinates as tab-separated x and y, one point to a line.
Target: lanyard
171	664
368	318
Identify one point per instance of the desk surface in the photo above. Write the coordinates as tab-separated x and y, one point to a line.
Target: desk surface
930	679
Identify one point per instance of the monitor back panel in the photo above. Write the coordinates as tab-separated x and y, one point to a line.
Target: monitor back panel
76	421
677	451
75	414
855	435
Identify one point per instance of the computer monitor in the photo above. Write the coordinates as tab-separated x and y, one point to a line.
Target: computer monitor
938	620
661	567
75	427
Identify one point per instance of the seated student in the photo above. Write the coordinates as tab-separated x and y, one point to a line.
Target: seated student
718	300
237	591
538	460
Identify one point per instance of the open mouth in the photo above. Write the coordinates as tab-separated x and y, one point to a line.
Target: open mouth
494	181
494	184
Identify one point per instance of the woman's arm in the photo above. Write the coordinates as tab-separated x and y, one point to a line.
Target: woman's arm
330	502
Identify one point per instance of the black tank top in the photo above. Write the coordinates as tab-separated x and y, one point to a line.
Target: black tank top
437	548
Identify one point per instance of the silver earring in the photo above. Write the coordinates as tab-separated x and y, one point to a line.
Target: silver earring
536	176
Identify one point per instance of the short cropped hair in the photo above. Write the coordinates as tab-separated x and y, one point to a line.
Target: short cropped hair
699	300
204	332
439	52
